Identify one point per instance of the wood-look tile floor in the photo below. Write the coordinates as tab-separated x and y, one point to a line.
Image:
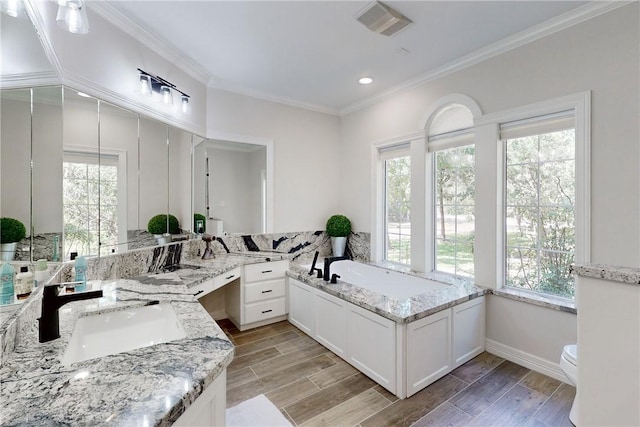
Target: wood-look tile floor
313	387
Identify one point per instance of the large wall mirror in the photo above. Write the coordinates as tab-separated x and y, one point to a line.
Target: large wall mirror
230	186
86	176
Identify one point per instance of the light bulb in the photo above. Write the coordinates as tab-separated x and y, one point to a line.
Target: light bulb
145	84
166	94
185	104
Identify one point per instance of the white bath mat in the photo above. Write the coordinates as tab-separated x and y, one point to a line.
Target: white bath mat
256	412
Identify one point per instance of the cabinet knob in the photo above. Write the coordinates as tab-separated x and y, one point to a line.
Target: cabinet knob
267	291
267	271
267	311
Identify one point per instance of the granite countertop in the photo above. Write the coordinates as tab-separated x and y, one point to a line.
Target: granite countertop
147	386
627	275
399	310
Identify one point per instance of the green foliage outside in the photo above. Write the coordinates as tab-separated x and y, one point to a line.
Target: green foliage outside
540	218
11	230
163	223
90	207
398	204
338	226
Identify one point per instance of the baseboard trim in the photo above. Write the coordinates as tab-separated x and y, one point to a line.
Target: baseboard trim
527	360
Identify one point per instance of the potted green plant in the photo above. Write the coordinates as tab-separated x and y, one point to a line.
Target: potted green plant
11	232
338	227
199	223
162	226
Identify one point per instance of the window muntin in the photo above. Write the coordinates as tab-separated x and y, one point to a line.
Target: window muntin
397	207
454	213
90	203
539	220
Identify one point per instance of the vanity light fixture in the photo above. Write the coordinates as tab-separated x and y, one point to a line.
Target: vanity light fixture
150	83
365	80
14	8
72	16
84	95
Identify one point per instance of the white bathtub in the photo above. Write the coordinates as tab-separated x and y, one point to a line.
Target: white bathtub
386	282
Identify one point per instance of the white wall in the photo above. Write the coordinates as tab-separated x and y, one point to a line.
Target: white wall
307	154
230	192
600	55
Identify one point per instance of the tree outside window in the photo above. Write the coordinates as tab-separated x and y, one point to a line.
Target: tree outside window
398	210
454	210
90	204
540	212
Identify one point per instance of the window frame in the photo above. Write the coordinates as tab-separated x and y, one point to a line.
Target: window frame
580	103
119	158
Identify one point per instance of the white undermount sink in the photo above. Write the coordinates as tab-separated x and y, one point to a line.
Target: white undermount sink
119	331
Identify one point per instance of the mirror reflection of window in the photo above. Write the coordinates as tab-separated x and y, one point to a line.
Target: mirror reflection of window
90	203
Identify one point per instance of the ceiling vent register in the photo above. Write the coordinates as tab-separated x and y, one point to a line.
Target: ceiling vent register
381	19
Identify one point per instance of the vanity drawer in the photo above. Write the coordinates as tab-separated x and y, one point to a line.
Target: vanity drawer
215	283
264	310
260	291
265	270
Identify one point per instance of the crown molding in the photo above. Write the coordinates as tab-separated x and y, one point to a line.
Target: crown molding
551	26
273	98
36	14
25	80
154	41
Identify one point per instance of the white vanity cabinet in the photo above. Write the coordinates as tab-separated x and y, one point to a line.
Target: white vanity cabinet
215	283
209	409
404	358
260	297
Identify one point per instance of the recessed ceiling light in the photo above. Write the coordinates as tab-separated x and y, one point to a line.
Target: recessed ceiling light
84	95
365	80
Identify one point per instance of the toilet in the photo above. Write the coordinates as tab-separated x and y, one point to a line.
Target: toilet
569	365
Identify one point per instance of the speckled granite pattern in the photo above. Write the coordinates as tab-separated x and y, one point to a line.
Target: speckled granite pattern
147	386
404	310
300	246
608	272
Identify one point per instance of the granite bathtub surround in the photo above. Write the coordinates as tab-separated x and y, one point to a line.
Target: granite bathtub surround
627	275
403	310
146	386
301	245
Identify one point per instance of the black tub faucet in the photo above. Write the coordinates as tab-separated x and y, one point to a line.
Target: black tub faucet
327	265
49	321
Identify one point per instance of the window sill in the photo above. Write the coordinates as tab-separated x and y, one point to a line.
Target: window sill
547	301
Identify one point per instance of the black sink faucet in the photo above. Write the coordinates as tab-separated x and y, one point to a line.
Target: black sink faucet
327	265
49	322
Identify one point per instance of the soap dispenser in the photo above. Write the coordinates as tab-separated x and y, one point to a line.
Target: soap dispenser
6	284
81	273
24	286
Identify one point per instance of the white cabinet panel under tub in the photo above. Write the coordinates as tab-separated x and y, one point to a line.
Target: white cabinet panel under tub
372	346
402	357
330	322
428	350
301	310
468	330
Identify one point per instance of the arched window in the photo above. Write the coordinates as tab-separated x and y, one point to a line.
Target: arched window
450	144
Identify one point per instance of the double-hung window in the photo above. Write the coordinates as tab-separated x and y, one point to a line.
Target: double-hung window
451	146
539	203
397	203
